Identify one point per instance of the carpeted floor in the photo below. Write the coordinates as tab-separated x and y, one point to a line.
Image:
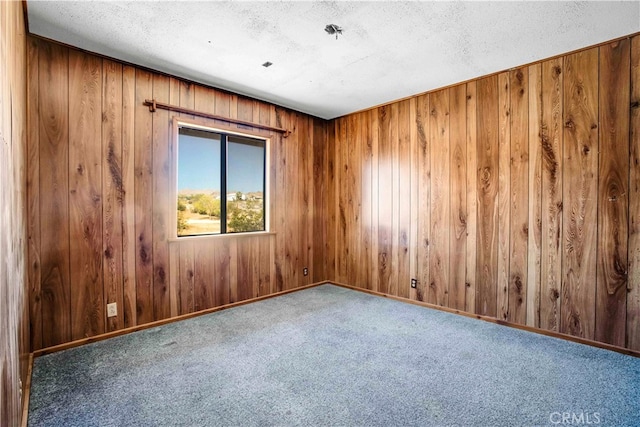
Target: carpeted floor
329	356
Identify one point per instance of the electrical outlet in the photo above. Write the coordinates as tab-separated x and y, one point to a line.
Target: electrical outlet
305	271
414	283
112	309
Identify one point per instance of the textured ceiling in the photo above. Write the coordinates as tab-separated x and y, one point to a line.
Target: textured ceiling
387	51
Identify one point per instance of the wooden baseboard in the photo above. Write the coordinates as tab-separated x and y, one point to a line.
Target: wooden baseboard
26	393
125	331
490	319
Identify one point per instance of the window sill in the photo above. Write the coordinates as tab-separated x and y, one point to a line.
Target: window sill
220	236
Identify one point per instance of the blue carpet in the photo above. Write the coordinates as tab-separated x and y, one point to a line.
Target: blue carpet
329	356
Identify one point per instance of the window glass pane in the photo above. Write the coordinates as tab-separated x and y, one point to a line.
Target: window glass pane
198	180
245	184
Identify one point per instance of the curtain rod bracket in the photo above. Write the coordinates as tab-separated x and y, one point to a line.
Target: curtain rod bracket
153	105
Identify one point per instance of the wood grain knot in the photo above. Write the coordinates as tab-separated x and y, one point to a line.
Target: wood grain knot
554	294
557	70
635	104
519	76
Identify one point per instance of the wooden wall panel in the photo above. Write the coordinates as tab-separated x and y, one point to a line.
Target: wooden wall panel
535	197
518	195
385	196
472	199
504	192
487	239
161	180
143	190
522	195
424	196
318	242
404	197
85	196
613	193
373	127
129	311
14	175
439	201
99	169
33	196
458	196
633	282
53	125
580	199
112	190
552	170
486	226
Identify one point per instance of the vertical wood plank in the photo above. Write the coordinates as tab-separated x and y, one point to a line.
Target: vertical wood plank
613	193
320	192
404	198
129	309
342	170
143	188
292	228
160	209
279	167
358	266
519	195
487	238
440	197
267	245
504	190
633	282
374	131
205	276
414	195
534	239
185	248
458	197
385	201
224	253
245	277
264	251
174	249
112	191
551	247
85	195
580	186
304	197
331	243
54	203
472	198
424	196
394	199
366	184
34	271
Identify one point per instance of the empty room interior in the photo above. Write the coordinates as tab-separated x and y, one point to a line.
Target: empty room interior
319	213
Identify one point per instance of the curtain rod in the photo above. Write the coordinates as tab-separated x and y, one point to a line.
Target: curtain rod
153	105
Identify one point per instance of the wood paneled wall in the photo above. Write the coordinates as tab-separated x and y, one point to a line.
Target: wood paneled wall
14	321
98	178
515	196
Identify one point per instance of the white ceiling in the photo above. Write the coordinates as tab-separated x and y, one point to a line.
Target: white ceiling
388	50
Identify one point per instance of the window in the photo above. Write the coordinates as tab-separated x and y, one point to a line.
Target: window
221	186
